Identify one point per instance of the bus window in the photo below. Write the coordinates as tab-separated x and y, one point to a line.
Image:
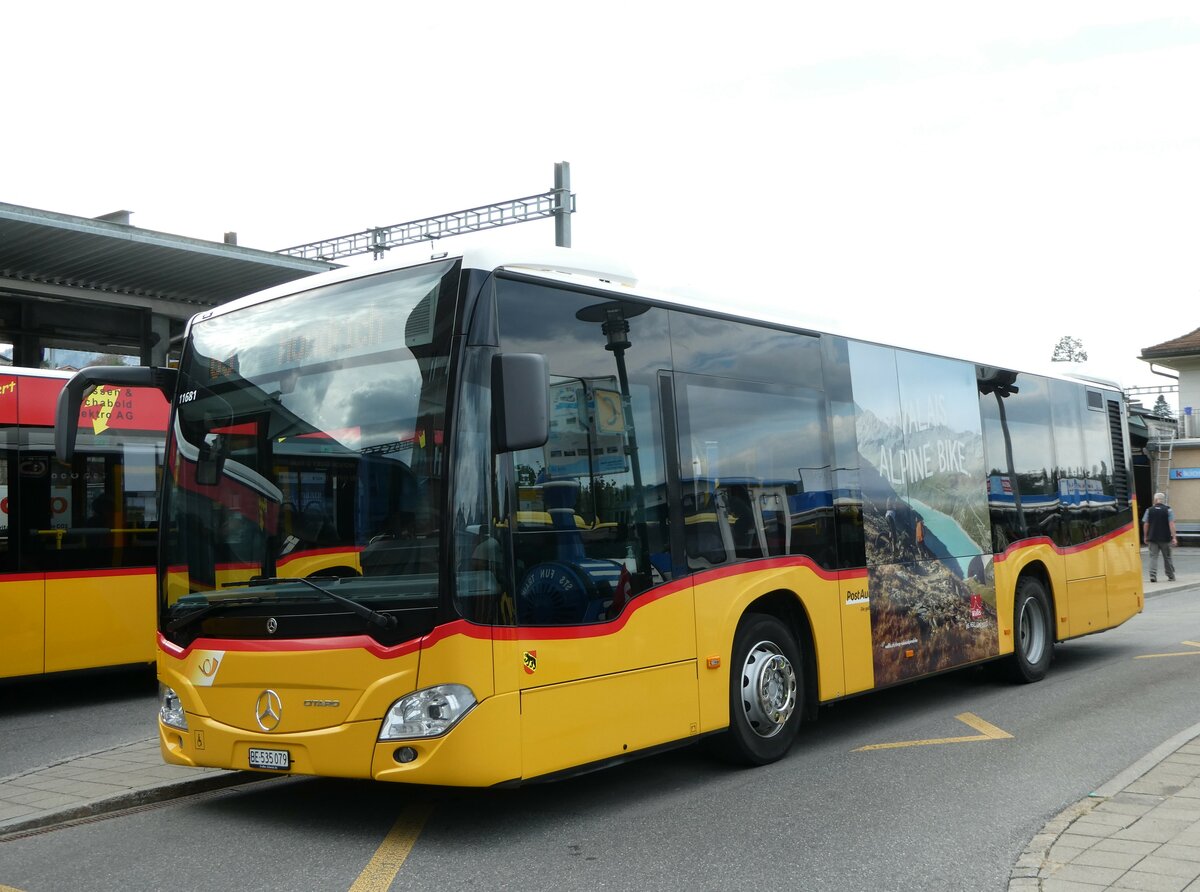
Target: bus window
99	513
1022	495
732	349
1105	472
586	518
755	472
1070	463
8	551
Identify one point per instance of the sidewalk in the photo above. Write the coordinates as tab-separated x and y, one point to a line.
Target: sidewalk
1141	830
105	781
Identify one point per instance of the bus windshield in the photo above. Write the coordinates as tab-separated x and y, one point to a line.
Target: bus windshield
307	444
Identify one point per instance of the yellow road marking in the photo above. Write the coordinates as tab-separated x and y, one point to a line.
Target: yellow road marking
4	888
377	876
987	730
1182	653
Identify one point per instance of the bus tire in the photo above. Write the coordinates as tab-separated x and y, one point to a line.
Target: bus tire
766	691
1033	631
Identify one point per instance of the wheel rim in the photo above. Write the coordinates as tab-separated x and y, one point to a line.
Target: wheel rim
1032	630
768	689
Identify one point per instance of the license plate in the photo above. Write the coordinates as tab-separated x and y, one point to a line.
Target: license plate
279	760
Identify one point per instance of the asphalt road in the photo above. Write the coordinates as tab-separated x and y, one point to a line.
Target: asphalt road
831	816
45	720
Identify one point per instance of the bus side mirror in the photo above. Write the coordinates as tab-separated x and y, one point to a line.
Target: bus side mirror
210	462
71	397
520	401
995	380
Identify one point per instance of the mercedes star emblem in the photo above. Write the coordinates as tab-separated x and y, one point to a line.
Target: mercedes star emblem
268	710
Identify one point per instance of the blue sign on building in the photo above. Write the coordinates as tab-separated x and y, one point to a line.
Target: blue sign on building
1185	473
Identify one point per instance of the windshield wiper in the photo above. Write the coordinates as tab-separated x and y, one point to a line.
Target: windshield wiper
211	607
374	617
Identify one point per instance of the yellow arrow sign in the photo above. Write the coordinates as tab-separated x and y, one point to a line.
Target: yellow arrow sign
987	731
1181	653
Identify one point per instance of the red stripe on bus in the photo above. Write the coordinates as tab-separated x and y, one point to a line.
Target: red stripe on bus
1064	550
599	630
294	645
595	630
771	564
92	574
500	633
22	577
76	574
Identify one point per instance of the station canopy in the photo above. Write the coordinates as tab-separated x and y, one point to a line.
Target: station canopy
46	252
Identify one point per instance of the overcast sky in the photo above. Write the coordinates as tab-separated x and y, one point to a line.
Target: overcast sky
975	179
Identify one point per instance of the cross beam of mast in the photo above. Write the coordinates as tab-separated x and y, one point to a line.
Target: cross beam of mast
559	203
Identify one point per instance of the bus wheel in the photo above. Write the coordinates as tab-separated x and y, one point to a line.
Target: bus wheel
1034	643
765	691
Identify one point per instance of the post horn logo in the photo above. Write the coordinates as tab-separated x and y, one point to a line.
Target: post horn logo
208	667
268	710
529	662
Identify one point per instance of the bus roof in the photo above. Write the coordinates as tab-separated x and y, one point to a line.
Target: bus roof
553	262
595	271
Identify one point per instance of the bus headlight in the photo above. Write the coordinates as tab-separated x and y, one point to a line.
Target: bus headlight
170	710
427	713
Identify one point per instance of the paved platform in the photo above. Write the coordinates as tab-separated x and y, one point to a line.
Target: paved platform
1141	830
104	781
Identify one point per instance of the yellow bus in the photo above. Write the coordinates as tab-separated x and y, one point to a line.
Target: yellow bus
78	541
593	522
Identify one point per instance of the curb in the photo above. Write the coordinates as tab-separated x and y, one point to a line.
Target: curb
161	792
1144	764
1034	865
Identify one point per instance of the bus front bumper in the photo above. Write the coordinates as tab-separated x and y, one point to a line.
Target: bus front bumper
482	749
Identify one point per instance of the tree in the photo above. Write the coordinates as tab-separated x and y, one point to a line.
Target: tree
1069	349
1161	409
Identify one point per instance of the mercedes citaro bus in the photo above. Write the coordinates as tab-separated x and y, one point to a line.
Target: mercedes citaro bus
580	522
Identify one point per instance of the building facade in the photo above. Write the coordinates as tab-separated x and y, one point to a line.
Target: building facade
1173	446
